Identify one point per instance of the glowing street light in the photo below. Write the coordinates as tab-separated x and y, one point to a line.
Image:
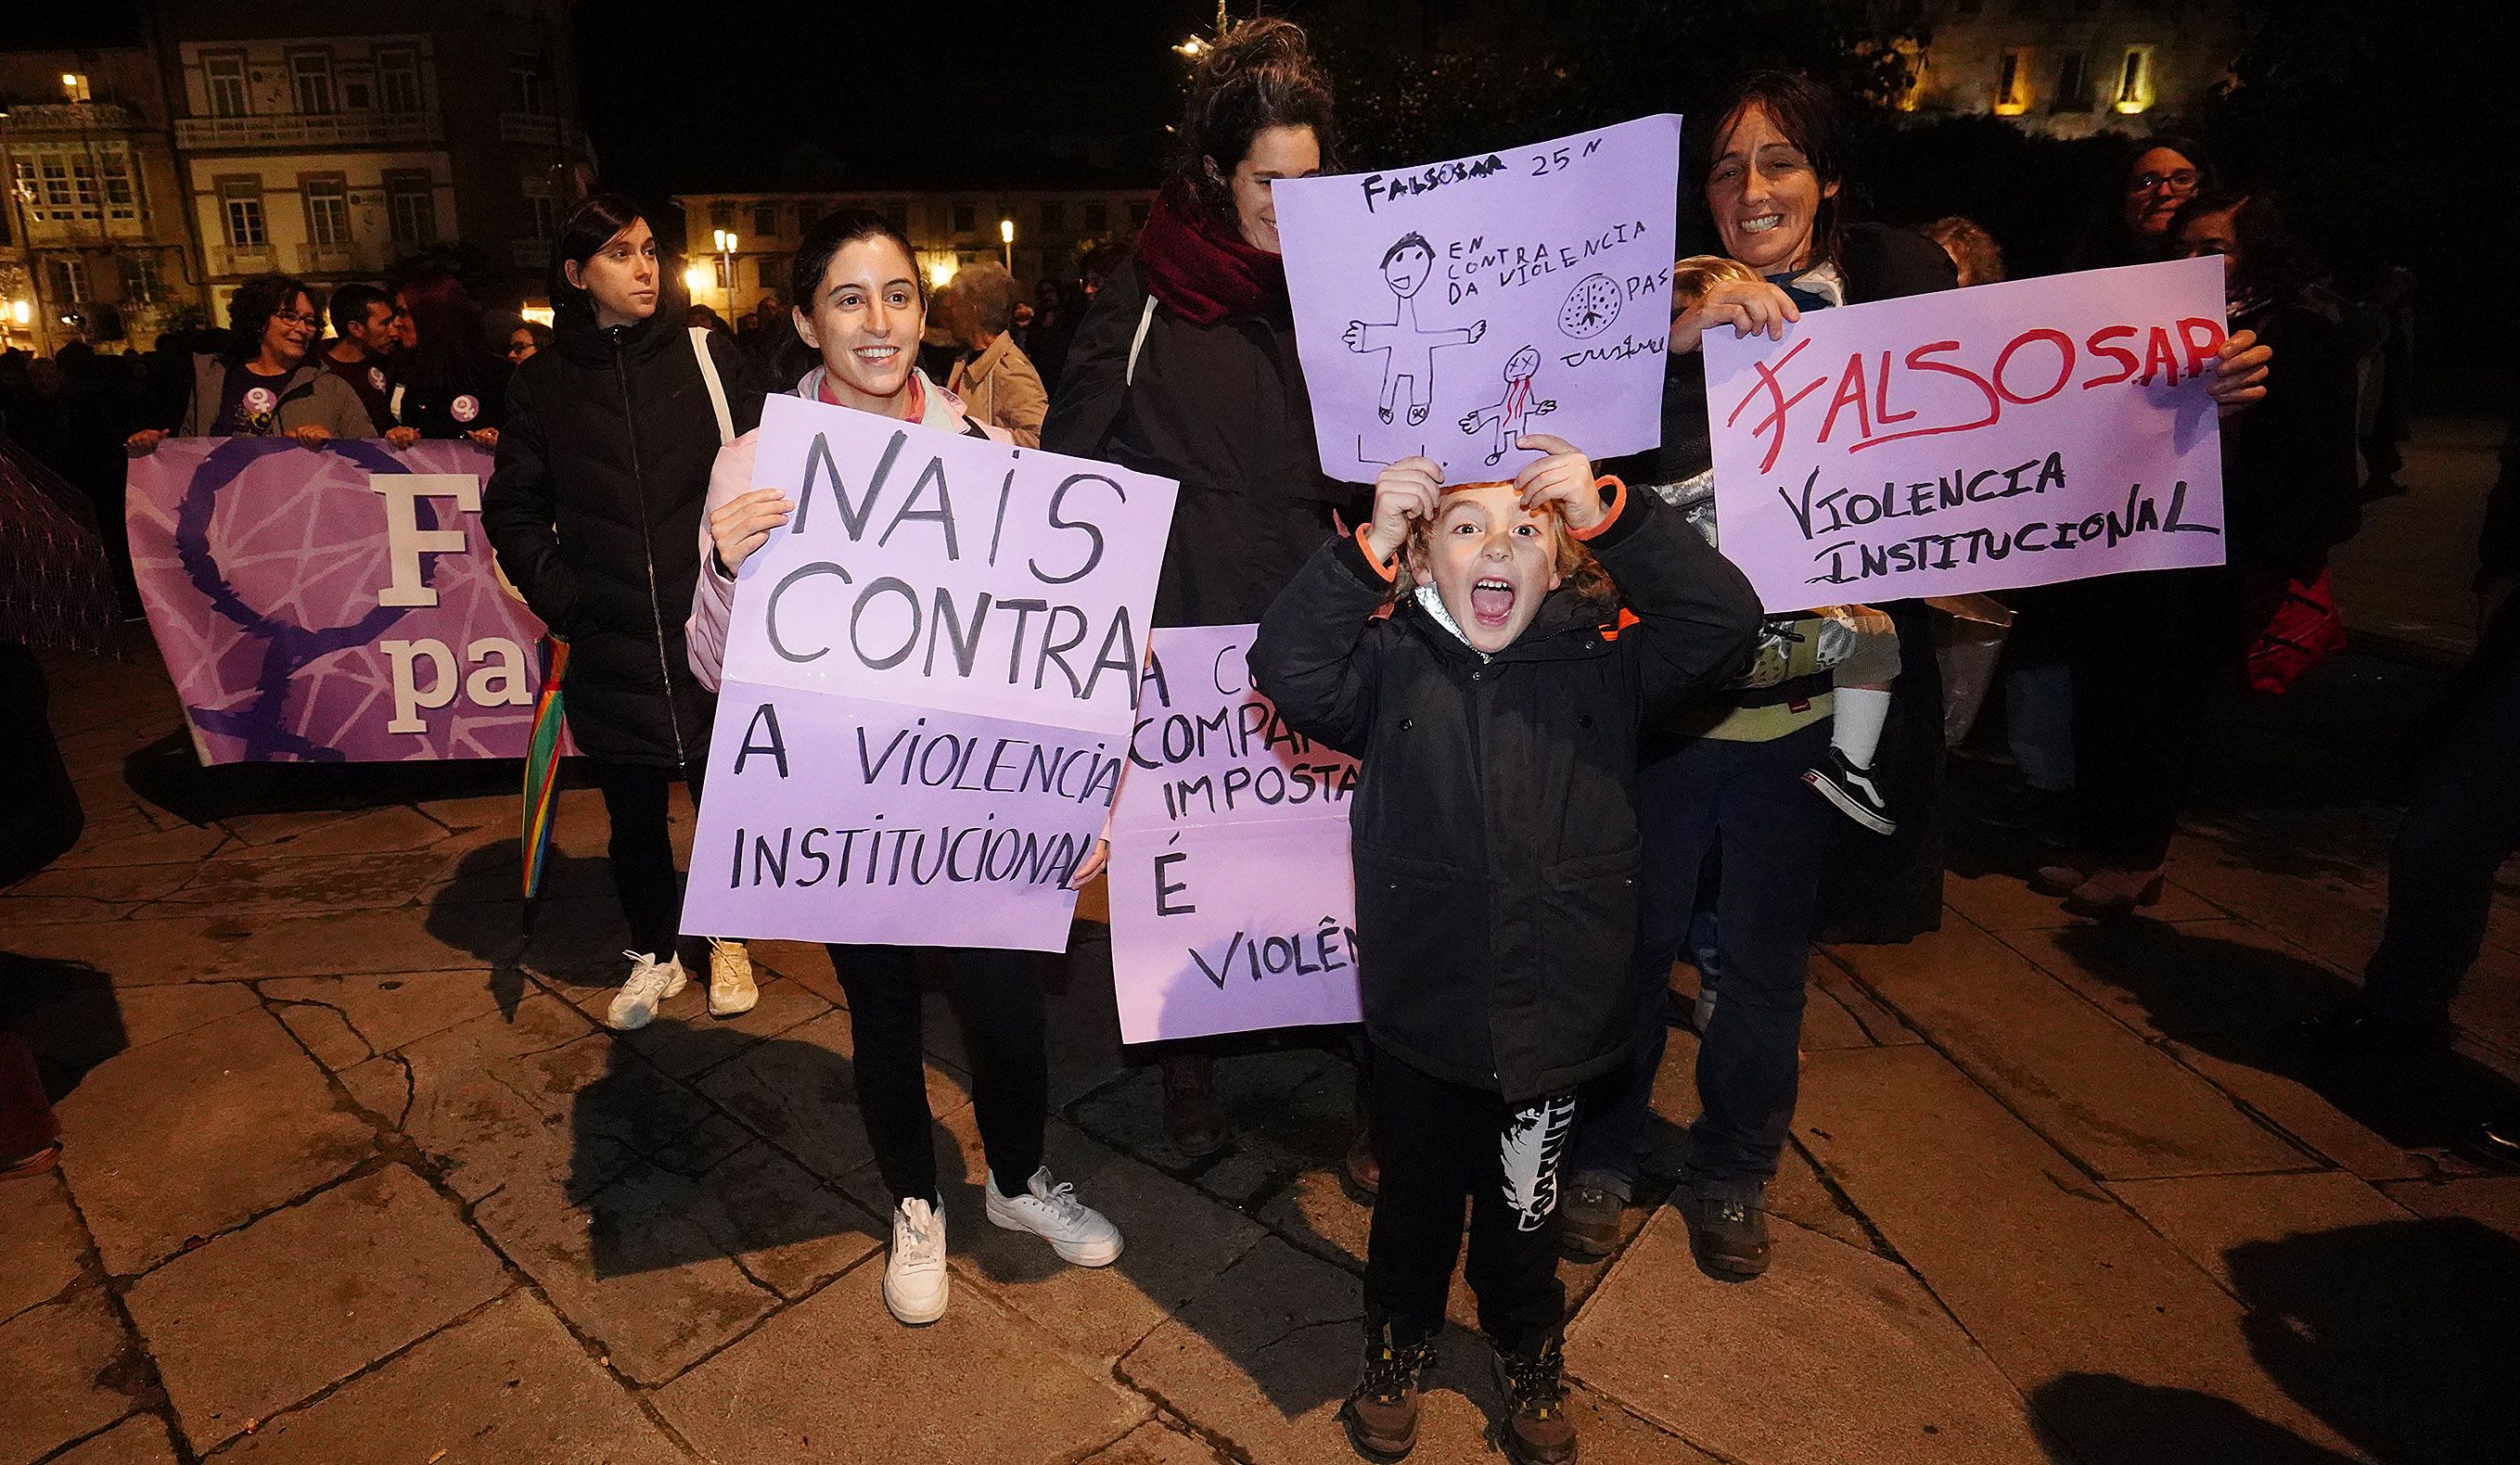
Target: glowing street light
727	244
1194	48
1006	239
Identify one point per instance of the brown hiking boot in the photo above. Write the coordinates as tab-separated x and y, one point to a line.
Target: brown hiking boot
1536	1429
1381	1415
1588	1222
1193	1124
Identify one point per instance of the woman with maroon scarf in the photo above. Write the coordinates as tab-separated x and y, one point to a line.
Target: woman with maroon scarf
1186	366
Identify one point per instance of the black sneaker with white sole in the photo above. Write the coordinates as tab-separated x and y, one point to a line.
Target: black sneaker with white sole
1852	790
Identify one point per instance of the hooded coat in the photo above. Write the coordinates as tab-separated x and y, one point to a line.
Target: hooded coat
1494	833
595	513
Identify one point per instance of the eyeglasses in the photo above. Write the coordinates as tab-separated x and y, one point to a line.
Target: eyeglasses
2177	180
302	322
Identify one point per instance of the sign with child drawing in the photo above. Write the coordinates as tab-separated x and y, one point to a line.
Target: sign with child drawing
1448	310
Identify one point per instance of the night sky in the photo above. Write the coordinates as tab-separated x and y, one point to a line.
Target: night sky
752	95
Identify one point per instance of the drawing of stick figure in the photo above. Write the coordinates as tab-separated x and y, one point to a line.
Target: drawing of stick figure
1515	407
1410	352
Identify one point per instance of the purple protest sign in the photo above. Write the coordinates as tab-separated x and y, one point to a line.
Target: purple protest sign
930	677
1232	898
1446	310
840	818
1971	440
334	604
948	571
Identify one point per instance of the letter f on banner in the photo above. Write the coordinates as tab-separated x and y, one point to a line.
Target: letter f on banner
406	541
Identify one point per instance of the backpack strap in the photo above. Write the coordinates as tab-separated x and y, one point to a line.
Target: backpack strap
716	387
1138	343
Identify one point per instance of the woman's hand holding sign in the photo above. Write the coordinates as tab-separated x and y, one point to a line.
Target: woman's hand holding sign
742	524
2240	374
1750	307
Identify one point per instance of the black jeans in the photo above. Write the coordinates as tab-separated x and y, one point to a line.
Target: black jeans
1439	1143
2147	653
2465	822
997	995
1748	800
641	848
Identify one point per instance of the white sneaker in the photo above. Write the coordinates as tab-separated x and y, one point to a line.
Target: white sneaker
650	982
915	1279
731	987
1075	1231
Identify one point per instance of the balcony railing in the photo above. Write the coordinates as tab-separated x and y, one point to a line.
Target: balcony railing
354	129
535	128
67	116
243	259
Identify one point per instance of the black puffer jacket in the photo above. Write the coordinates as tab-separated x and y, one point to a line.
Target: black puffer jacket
475	400
1222	410
594	509
1495	840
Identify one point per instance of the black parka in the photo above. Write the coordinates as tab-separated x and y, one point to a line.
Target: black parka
1222	409
1494	836
595	511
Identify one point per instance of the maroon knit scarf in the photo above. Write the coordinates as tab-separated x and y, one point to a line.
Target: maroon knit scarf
1203	271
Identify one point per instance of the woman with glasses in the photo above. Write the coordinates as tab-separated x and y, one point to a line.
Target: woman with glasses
528	338
267	384
2132	222
448	383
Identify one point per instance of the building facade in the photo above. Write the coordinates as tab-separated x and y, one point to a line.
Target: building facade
2075	68
445	128
1051	229
94	243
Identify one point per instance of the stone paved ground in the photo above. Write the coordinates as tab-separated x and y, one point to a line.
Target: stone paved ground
354	1173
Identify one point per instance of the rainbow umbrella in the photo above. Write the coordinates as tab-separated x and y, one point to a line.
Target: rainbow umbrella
542	769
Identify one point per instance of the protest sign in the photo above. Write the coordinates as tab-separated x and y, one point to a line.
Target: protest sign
1971	440
1446	310
1233	899
928	681
337	604
948	571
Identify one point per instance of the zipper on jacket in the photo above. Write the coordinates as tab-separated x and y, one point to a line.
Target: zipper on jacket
648	548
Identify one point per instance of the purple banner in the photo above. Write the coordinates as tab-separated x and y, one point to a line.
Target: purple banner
334	604
1977	439
1449	309
1232	898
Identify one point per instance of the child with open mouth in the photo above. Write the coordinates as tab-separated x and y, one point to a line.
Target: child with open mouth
1492	652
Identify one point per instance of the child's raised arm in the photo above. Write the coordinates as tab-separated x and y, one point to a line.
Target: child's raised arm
1310	654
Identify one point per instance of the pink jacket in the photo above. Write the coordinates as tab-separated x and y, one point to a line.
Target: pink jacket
713	598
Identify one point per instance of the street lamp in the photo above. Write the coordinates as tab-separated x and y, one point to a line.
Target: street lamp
1006	239
726	247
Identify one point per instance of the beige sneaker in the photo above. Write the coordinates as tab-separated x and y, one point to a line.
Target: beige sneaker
650	982
731	987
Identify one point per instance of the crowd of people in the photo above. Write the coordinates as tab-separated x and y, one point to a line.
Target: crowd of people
1587	753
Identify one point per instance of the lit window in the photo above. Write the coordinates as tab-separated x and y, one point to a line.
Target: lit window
241	204
2134	80
399	78
74	85
328	212
2012	83
225	79
310	72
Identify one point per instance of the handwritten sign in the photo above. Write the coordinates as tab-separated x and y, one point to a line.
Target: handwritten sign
1981	439
948	571
1232	903
928	681
332	606
1448	310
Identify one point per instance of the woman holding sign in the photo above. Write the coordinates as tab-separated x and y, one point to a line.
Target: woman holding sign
862	303
603	462
1186	366
1732	777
